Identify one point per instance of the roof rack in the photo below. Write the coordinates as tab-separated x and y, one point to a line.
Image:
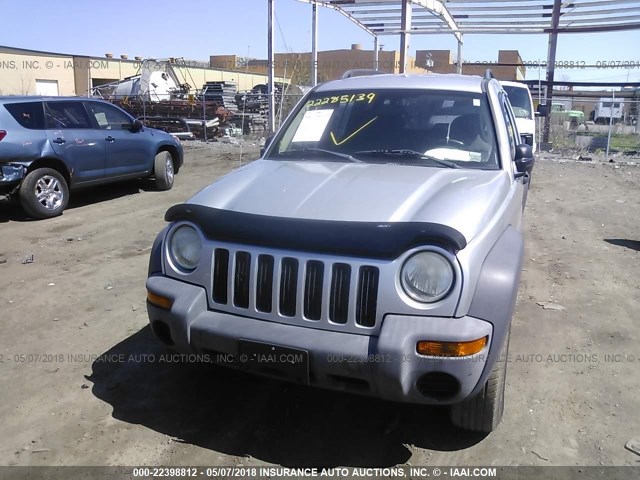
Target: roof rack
488	74
361	72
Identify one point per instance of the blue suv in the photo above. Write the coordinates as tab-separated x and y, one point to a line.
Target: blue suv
50	145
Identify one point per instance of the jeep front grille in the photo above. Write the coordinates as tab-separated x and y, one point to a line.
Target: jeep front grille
264	283
339	302
220	274
288	286
366	310
241	279
311	290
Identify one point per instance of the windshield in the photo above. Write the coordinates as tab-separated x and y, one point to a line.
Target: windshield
519	100
418	127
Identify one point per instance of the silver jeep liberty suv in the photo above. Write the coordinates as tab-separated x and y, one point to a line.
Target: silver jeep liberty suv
375	248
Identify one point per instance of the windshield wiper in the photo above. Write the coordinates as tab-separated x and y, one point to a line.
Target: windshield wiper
322	150
407	153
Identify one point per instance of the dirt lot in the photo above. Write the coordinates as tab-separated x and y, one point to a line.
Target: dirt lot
573	381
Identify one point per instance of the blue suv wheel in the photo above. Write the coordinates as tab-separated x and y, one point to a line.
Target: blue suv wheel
44	193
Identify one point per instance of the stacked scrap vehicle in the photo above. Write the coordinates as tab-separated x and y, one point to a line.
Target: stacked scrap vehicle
160	99
253	105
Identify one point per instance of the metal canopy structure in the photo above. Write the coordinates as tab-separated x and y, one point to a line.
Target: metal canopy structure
466	17
384	17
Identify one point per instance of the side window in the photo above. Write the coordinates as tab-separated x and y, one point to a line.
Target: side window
512	119
61	115
512	131
108	117
29	114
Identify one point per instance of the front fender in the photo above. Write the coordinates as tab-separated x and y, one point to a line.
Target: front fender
495	296
155	259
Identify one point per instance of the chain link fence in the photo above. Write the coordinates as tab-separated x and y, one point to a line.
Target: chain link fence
593	125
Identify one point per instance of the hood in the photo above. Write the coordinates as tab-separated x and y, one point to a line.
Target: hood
162	134
463	199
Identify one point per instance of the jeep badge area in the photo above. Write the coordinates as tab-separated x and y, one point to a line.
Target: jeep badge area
49	146
375	248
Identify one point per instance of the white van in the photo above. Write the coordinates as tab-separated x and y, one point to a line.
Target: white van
522	105
607	110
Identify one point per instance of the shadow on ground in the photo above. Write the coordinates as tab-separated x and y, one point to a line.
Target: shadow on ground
239	414
104	193
621	242
10	209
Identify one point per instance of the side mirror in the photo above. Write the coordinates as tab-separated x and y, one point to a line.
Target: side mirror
136	126
542	110
527	138
267	142
524	160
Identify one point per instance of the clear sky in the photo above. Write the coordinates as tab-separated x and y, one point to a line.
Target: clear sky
199	28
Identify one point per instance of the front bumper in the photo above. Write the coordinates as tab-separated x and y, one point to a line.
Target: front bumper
386	366
11	175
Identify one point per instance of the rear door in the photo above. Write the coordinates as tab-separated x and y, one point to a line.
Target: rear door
127	152
74	140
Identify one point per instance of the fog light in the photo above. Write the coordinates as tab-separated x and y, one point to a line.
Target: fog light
451	349
159	301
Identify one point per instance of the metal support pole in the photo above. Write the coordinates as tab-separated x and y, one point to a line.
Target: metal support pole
460	56
405	34
539	119
314	46
270	89
204	117
376	54
551	61
613	99
89	80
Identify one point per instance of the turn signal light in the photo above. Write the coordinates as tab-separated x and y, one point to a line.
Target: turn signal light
3	133
451	349
159	301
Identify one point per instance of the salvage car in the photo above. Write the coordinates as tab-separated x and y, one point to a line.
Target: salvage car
522	105
49	146
375	248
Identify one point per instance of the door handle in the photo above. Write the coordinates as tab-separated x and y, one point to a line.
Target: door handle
59	141
110	139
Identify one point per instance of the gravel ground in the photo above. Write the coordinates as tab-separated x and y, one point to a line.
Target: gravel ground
572	380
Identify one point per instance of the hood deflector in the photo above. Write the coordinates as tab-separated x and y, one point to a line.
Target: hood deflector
379	240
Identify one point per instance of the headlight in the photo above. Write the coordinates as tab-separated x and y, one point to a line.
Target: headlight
427	276
185	247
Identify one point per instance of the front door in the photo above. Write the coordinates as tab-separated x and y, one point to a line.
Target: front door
128	152
522	183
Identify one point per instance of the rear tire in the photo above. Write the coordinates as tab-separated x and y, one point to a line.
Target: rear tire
483	412
44	193
164	171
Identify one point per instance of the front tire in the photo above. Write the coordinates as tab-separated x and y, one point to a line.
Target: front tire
44	193
483	412
164	171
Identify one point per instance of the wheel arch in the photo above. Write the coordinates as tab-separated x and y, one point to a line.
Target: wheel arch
53	163
174	154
